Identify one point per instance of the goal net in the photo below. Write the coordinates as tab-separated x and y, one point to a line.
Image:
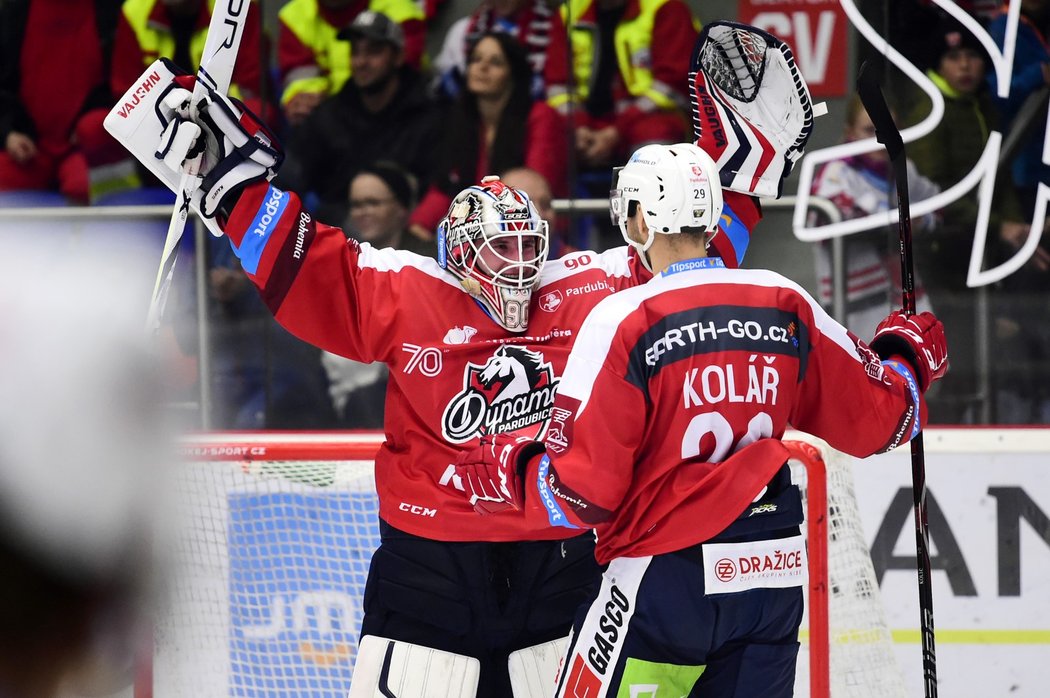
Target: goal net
847	650
274	536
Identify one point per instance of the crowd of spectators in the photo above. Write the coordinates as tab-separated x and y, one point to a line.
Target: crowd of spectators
554	93
378	135
1009	354
349	82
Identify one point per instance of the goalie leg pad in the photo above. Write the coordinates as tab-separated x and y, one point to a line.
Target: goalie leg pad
534	670
393	669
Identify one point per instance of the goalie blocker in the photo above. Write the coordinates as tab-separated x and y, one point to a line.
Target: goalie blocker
236	146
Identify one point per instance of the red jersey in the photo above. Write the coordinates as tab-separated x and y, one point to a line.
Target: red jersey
670	412
455	374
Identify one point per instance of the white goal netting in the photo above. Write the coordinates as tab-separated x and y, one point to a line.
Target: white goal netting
274	537
847	649
272	548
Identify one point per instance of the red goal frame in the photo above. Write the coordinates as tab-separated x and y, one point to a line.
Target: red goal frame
249	447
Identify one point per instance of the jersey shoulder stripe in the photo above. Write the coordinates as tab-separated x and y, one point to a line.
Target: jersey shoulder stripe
823	322
598	332
392	260
613	262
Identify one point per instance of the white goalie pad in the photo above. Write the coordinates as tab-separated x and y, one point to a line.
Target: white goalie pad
392	669
752	112
136	123
534	670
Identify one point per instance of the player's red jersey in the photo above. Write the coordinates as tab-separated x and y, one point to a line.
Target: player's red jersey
455	374
669	416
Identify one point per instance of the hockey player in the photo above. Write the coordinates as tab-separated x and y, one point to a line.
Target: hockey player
665	438
475	342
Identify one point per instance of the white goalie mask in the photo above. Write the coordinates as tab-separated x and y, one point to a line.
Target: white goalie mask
675	186
495	243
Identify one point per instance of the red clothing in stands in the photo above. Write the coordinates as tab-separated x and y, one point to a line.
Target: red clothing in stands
544	152
637	119
130	58
60	78
61	64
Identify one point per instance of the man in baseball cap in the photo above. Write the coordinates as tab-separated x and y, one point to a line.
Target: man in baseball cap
374	26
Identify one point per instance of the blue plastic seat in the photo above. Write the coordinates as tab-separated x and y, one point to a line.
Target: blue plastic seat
31	198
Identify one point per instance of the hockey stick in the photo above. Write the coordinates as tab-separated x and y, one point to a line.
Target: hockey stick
886	132
216	70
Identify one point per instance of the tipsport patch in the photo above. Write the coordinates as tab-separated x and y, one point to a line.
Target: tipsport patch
262	227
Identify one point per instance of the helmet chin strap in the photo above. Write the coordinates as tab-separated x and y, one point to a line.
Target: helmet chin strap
471	286
642	248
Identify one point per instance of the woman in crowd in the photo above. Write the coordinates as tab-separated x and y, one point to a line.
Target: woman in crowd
493	126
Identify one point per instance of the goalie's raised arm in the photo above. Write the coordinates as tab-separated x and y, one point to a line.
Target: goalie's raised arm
162	125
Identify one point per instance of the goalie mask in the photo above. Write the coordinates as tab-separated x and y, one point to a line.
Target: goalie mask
495	243
675	187
752	111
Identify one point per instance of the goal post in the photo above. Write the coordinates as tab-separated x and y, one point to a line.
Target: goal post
273	536
847	649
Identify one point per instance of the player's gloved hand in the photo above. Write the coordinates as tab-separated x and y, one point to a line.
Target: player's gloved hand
158	124
493	472
235	148
918	339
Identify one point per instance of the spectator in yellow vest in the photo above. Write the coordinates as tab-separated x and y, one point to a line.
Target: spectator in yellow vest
628	90
314	62
176	29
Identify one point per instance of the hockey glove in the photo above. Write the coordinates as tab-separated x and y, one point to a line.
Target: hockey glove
918	339
217	138
752	112
493	472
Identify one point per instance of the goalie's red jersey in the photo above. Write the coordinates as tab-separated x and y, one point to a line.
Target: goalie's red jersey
455	374
670	412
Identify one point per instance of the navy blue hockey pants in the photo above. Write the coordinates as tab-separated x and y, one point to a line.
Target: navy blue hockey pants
483	600
716	620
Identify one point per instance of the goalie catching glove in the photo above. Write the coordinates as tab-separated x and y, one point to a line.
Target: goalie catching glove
918	339
493	472
752	112
215	138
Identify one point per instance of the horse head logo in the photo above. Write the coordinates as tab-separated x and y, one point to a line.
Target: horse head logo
512	391
511	371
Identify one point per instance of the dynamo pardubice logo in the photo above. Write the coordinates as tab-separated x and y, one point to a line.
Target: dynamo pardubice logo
513	390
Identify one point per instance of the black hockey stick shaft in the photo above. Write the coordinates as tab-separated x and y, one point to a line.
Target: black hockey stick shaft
887	133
